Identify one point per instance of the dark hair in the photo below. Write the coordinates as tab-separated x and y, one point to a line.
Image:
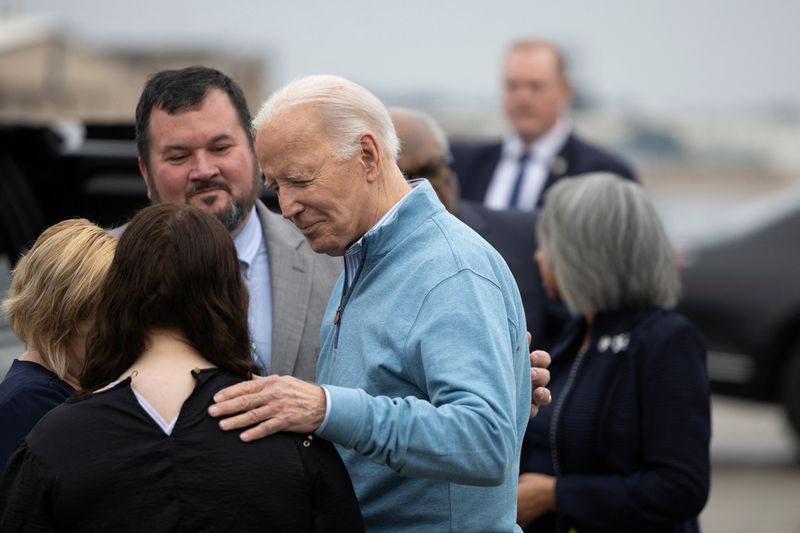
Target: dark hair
181	90
175	268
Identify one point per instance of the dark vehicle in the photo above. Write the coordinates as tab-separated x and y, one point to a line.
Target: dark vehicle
50	172
57	171
742	290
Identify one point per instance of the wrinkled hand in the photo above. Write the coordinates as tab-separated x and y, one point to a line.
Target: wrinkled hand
536	496
270	404
540	377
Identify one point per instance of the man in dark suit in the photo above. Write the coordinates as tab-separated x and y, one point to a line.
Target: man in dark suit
543	148
424	152
195	146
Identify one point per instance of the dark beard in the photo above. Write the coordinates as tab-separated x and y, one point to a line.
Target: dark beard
234	214
238	208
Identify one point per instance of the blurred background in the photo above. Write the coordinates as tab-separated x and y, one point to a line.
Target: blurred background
701	96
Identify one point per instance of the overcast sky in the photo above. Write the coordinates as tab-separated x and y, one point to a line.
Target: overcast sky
726	54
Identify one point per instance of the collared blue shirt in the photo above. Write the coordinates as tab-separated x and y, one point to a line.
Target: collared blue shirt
354	255
254	263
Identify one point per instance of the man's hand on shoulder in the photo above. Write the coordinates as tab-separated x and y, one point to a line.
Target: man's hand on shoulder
267	405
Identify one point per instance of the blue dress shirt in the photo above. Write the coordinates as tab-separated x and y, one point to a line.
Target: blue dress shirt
251	248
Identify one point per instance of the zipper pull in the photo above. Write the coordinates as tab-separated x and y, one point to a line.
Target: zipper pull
337	315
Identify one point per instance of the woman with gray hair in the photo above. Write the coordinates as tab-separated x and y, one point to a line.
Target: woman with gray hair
625	445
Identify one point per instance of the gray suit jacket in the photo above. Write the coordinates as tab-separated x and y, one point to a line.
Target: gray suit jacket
301	284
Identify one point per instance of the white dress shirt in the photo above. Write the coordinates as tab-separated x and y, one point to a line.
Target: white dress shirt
542	154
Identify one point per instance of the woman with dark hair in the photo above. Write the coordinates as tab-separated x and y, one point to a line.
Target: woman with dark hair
625	445
137	451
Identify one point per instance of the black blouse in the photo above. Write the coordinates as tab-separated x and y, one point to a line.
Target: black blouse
100	463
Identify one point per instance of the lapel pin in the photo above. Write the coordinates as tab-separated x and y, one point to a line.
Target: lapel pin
559	166
615	343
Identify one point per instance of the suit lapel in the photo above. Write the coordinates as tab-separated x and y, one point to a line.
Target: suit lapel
487	167
559	168
290	275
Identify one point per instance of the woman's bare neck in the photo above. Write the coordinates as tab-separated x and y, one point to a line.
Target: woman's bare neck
162	374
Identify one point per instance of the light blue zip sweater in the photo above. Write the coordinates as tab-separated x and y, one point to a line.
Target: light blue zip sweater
429	376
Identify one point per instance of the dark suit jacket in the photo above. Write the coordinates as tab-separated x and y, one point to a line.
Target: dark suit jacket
511	232
633	425
475	163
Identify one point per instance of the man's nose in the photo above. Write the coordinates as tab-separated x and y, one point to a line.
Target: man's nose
289	203
203	167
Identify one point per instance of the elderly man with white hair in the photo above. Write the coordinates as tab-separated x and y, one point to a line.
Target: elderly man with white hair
424	373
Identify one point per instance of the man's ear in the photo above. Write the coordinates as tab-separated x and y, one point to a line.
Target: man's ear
145	176
370	156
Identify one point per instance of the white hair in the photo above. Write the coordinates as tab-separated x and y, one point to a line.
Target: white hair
347	111
606	245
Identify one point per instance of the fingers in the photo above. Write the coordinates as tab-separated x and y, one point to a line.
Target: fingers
250	417
268	427
255	384
540	359
530	337
241	397
542	396
540	377
269	405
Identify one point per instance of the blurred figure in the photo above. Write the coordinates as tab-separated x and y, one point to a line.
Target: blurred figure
543	148
425	153
625	445
50	306
196	147
140	453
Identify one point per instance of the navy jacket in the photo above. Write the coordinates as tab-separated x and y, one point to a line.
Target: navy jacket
632	426
512	233
27	393
475	163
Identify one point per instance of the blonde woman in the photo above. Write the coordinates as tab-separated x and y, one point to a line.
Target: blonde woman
54	290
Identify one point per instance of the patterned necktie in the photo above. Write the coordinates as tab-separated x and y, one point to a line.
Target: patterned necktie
522	163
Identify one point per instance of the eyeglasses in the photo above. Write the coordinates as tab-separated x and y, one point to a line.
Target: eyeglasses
430	169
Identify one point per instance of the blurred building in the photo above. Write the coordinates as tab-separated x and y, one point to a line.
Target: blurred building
46	75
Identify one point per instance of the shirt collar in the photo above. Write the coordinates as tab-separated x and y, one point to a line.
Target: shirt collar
249	240
385	219
545	147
